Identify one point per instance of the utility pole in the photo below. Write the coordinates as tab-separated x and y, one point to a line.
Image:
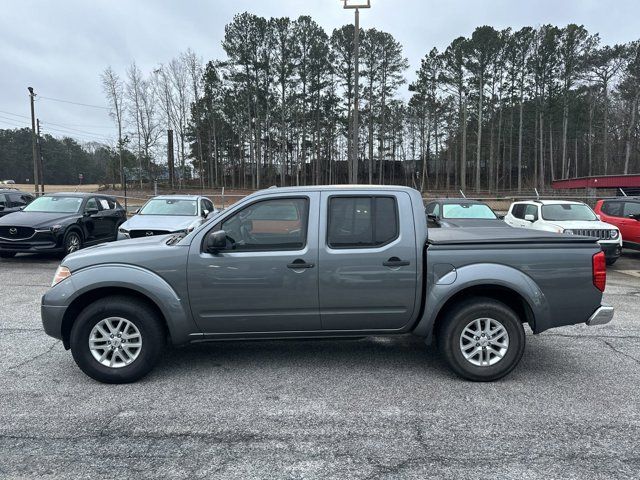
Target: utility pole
34	149
353	161
40	162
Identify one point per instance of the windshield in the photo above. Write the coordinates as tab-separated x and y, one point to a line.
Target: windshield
170	206
568	211
468	210
55	205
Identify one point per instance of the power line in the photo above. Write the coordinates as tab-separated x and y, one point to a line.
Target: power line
73	103
71	129
13	124
68	132
14	114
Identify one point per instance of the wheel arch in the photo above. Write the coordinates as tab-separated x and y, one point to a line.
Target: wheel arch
499	282
88	284
508	296
90	296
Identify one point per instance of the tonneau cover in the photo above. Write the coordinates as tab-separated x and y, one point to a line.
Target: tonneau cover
489	235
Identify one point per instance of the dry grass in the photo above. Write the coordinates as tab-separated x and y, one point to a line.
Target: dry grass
28	187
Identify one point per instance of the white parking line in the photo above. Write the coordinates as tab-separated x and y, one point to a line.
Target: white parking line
633	273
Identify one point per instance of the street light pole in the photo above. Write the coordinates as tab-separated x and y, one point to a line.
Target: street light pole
353	161
34	148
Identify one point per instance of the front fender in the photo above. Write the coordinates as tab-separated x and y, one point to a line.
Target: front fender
176	313
481	274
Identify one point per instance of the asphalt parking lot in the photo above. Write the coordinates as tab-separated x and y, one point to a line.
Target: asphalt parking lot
371	408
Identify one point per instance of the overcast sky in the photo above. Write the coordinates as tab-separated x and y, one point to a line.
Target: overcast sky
61	47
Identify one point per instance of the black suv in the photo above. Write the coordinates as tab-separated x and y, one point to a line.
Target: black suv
12	200
60	223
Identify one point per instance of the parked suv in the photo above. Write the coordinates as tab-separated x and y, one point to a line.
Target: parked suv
166	214
60	223
12	200
624	213
562	216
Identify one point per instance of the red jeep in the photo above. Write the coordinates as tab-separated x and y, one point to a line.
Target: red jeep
624	213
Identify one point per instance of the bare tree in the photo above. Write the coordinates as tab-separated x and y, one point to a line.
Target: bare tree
114	90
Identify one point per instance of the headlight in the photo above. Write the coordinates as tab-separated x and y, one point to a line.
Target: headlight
123	231
60	275
614	234
570	232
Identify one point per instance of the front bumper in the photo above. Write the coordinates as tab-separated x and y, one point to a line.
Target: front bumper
611	250
52	316
40	242
604	314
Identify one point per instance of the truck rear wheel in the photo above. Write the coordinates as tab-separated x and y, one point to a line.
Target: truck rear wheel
481	339
117	339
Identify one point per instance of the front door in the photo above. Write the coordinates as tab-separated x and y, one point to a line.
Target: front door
368	261
267	278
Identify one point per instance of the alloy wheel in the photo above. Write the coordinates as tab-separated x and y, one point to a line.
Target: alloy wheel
115	342
484	342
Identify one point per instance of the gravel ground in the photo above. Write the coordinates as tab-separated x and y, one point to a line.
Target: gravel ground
372	408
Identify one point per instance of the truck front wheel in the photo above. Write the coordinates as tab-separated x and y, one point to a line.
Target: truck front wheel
481	339
117	339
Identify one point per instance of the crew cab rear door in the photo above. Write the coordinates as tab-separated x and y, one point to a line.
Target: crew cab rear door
367	260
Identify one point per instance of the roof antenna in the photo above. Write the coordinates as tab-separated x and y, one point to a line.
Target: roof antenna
537	194
622	191
462	193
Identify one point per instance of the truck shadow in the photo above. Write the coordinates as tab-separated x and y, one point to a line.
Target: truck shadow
402	356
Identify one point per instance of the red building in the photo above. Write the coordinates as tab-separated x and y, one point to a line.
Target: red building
625	182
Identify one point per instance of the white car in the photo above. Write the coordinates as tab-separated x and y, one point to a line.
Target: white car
168	214
562	216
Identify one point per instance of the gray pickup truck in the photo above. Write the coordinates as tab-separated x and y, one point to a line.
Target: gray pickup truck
345	261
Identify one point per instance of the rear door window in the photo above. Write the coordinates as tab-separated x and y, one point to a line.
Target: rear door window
362	222
613	209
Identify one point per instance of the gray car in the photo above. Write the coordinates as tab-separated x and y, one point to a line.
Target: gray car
342	261
166	214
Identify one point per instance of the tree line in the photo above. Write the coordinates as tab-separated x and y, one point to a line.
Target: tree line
498	110
64	159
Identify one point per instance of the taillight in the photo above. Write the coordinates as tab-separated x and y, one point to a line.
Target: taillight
599	268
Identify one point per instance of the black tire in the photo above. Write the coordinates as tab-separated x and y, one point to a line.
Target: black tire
611	261
140	314
7	254
457	319
69	242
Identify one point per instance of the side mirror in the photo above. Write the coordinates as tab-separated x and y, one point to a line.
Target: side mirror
530	218
205	213
90	212
635	216
2	208
216	241
211	214
432	217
